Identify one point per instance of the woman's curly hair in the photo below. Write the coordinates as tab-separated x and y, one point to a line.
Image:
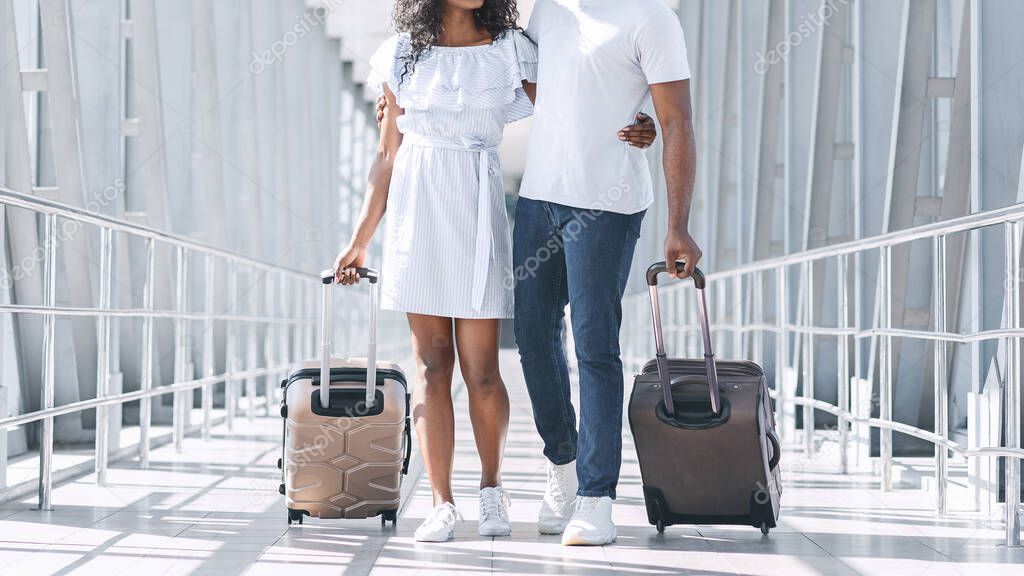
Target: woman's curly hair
421	19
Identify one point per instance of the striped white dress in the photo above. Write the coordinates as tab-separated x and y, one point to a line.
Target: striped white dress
448	251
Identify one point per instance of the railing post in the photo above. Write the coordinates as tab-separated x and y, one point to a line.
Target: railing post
103	356
858	298
781	350
843	354
300	330
250	347
283	326
181	349
299	333
49	364
860	388
808	343
941	393
312	329
146	384
738	335
637	346
718	309
3	440
1013	382
208	359
885	367
250	364
269	334
757	338
231	347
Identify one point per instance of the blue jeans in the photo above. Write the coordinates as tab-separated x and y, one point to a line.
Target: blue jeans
564	255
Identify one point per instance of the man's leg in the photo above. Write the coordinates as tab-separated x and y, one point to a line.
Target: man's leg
599	253
540	299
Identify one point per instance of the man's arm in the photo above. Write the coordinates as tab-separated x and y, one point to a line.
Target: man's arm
640	134
672	104
531	90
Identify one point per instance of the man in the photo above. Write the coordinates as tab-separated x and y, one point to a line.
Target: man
582	202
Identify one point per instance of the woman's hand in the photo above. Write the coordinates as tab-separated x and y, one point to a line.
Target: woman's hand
641	134
351	257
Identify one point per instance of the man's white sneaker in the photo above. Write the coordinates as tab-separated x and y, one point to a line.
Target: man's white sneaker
559	498
439	525
494	520
591	525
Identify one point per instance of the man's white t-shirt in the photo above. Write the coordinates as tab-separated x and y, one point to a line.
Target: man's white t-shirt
598	59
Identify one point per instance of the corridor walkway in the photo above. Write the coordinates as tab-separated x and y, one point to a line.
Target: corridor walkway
215	510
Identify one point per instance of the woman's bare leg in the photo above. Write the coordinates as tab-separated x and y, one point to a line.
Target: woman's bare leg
477	342
432	412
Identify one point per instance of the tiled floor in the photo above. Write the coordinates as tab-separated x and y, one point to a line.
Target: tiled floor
215	510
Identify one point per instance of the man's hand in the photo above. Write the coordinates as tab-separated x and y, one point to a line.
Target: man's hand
680	247
382	103
641	134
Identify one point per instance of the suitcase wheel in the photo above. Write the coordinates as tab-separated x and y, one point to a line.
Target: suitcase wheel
389	515
764	528
294	516
660	526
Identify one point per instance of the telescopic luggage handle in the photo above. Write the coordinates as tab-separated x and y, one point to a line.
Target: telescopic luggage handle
327	277
699	281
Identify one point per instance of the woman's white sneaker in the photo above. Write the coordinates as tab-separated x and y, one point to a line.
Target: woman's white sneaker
439	525
494	503
591	525
559	498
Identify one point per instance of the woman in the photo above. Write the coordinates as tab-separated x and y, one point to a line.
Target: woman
456	73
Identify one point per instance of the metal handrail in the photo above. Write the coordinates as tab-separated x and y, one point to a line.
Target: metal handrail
72	311
966	338
44	206
299	326
1011	218
1006	215
125	397
909	430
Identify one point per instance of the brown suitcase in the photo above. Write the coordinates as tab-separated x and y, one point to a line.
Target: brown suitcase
705	434
346	445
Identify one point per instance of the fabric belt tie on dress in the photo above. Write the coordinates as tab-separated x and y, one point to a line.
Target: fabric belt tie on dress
481	256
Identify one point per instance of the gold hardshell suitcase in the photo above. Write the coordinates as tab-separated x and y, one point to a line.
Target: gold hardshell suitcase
347	444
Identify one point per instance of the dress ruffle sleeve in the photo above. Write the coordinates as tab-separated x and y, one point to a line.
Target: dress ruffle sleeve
527	55
384	65
458	78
